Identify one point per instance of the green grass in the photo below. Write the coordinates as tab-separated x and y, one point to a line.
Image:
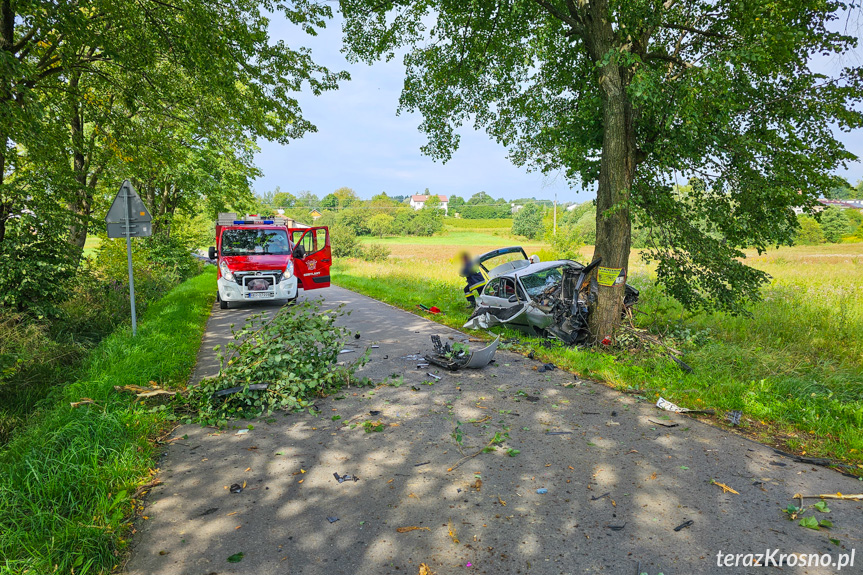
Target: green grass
795	367
479	224
67	481
91	245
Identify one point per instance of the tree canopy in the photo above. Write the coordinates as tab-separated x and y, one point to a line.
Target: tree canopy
631	97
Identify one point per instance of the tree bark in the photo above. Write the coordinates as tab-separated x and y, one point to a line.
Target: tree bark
7	41
616	173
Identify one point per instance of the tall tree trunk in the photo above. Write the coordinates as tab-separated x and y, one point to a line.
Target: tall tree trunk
7	40
81	203
616	175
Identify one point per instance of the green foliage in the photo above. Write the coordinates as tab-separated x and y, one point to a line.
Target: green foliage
834	224
427	222
65	490
527	221
343	240
294	351
35	264
809	233
380	224
373	252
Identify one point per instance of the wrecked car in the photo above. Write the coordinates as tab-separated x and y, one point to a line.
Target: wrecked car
548	299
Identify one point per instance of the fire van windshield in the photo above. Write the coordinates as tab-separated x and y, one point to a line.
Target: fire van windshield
238	242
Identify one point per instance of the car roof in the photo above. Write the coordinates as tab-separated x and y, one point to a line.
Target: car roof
538	267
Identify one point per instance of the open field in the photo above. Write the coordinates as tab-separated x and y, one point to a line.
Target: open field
795	368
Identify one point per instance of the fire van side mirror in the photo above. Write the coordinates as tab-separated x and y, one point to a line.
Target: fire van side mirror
212	253
513	298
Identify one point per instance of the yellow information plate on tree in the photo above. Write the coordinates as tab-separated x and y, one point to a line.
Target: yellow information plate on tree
610	276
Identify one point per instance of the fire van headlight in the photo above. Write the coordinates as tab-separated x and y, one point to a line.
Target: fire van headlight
289	269
226	272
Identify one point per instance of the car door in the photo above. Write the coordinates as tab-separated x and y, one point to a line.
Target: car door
312	256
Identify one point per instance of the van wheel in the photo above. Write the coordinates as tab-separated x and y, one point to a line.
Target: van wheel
293	300
222	304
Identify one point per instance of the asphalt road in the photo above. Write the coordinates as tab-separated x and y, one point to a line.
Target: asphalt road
656	478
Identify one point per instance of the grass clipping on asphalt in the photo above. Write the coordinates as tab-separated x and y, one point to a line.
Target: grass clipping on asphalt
283	362
70	478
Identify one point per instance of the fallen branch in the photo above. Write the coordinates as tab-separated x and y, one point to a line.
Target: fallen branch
856	497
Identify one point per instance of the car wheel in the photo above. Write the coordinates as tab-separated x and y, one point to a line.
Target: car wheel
222	304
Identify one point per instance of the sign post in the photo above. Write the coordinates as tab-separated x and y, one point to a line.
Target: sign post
128	218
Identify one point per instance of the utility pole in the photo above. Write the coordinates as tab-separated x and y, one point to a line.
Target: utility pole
555	213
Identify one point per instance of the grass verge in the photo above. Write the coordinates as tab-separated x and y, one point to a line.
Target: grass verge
793	369
68	480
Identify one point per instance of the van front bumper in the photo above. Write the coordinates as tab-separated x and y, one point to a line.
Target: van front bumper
232	291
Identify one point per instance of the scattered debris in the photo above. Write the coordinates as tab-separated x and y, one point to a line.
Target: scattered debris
452	534
610	423
542	491
411	528
822	461
242	432
343	478
616	527
376	347
236	557
663	424
84	401
332	519
455	359
725	488
598	497
558	432
778	464
590	413
436	377
374	413
421	464
346	350
546	367
209	511
425	570
684	525
842	496
141	391
734	416
668	406
237	488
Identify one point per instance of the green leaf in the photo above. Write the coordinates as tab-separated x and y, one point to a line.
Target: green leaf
809	523
236	557
822	507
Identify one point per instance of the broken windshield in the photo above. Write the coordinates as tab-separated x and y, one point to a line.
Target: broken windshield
246	242
538	282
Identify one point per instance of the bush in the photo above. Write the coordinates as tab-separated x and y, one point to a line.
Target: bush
834	224
36	262
373	253
427	222
810	232
527	221
343	241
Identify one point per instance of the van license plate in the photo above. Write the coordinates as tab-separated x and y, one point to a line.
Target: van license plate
262	294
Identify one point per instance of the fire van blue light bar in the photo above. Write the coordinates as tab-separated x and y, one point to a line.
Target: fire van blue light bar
245	222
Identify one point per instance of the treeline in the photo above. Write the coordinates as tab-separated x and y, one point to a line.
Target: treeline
170	96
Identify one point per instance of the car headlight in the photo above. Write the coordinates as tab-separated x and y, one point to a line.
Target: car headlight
289	269
226	272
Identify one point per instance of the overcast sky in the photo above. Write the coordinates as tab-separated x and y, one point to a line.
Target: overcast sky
361	142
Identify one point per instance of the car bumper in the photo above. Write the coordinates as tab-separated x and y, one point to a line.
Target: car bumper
232	291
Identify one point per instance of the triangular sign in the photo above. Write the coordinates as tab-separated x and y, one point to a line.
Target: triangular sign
137	211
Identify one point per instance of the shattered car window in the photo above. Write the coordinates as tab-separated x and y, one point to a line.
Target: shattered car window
538	282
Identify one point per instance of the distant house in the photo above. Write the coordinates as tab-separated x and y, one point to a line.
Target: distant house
843	204
419	201
315	214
